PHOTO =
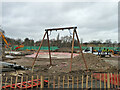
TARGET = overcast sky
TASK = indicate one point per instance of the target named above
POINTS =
(27, 19)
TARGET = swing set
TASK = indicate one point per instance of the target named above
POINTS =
(56, 29)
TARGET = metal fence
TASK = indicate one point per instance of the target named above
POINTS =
(89, 81)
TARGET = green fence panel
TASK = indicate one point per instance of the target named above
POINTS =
(35, 48)
(97, 48)
(55, 47)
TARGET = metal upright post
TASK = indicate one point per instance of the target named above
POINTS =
(81, 51)
(49, 48)
(72, 51)
(38, 52)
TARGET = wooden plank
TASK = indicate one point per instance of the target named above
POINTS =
(60, 28)
(114, 81)
(1, 81)
(95, 83)
(68, 82)
(58, 81)
(32, 81)
(37, 81)
(48, 82)
(111, 80)
(6, 82)
(21, 82)
(42, 82)
(108, 81)
(72, 82)
(82, 81)
(54, 82)
(77, 82)
(26, 81)
(16, 81)
(117, 81)
(91, 81)
(87, 82)
(11, 82)
(100, 81)
(63, 81)
(104, 81)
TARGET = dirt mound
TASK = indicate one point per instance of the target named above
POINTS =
(94, 63)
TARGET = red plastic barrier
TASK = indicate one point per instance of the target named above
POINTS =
(29, 84)
(17, 47)
(112, 77)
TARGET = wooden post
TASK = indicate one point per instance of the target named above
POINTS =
(1, 83)
(87, 82)
(114, 80)
(104, 81)
(108, 81)
(26, 81)
(6, 82)
(117, 81)
(42, 82)
(16, 82)
(21, 82)
(38, 52)
(58, 81)
(48, 82)
(37, 81)
(72, 51)
(81, 51)
(77, 82)
(91, 81)
(72, 82)
(95, 83)
(100, 81)
(68, 82)
(111, 81)
(11, 83)
(63, 81)
(82, 81)
(54, 82)
(49, 48)
(32, 81)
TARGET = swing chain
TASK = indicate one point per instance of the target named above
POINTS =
(70, 32)
(50, 33)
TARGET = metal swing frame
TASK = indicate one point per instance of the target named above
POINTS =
(56, 29)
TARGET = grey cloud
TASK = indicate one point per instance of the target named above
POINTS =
(30, 19)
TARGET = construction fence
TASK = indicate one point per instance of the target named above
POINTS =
(55, 47)
(89, 81)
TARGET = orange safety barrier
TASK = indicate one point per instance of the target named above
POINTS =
(113, 78)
